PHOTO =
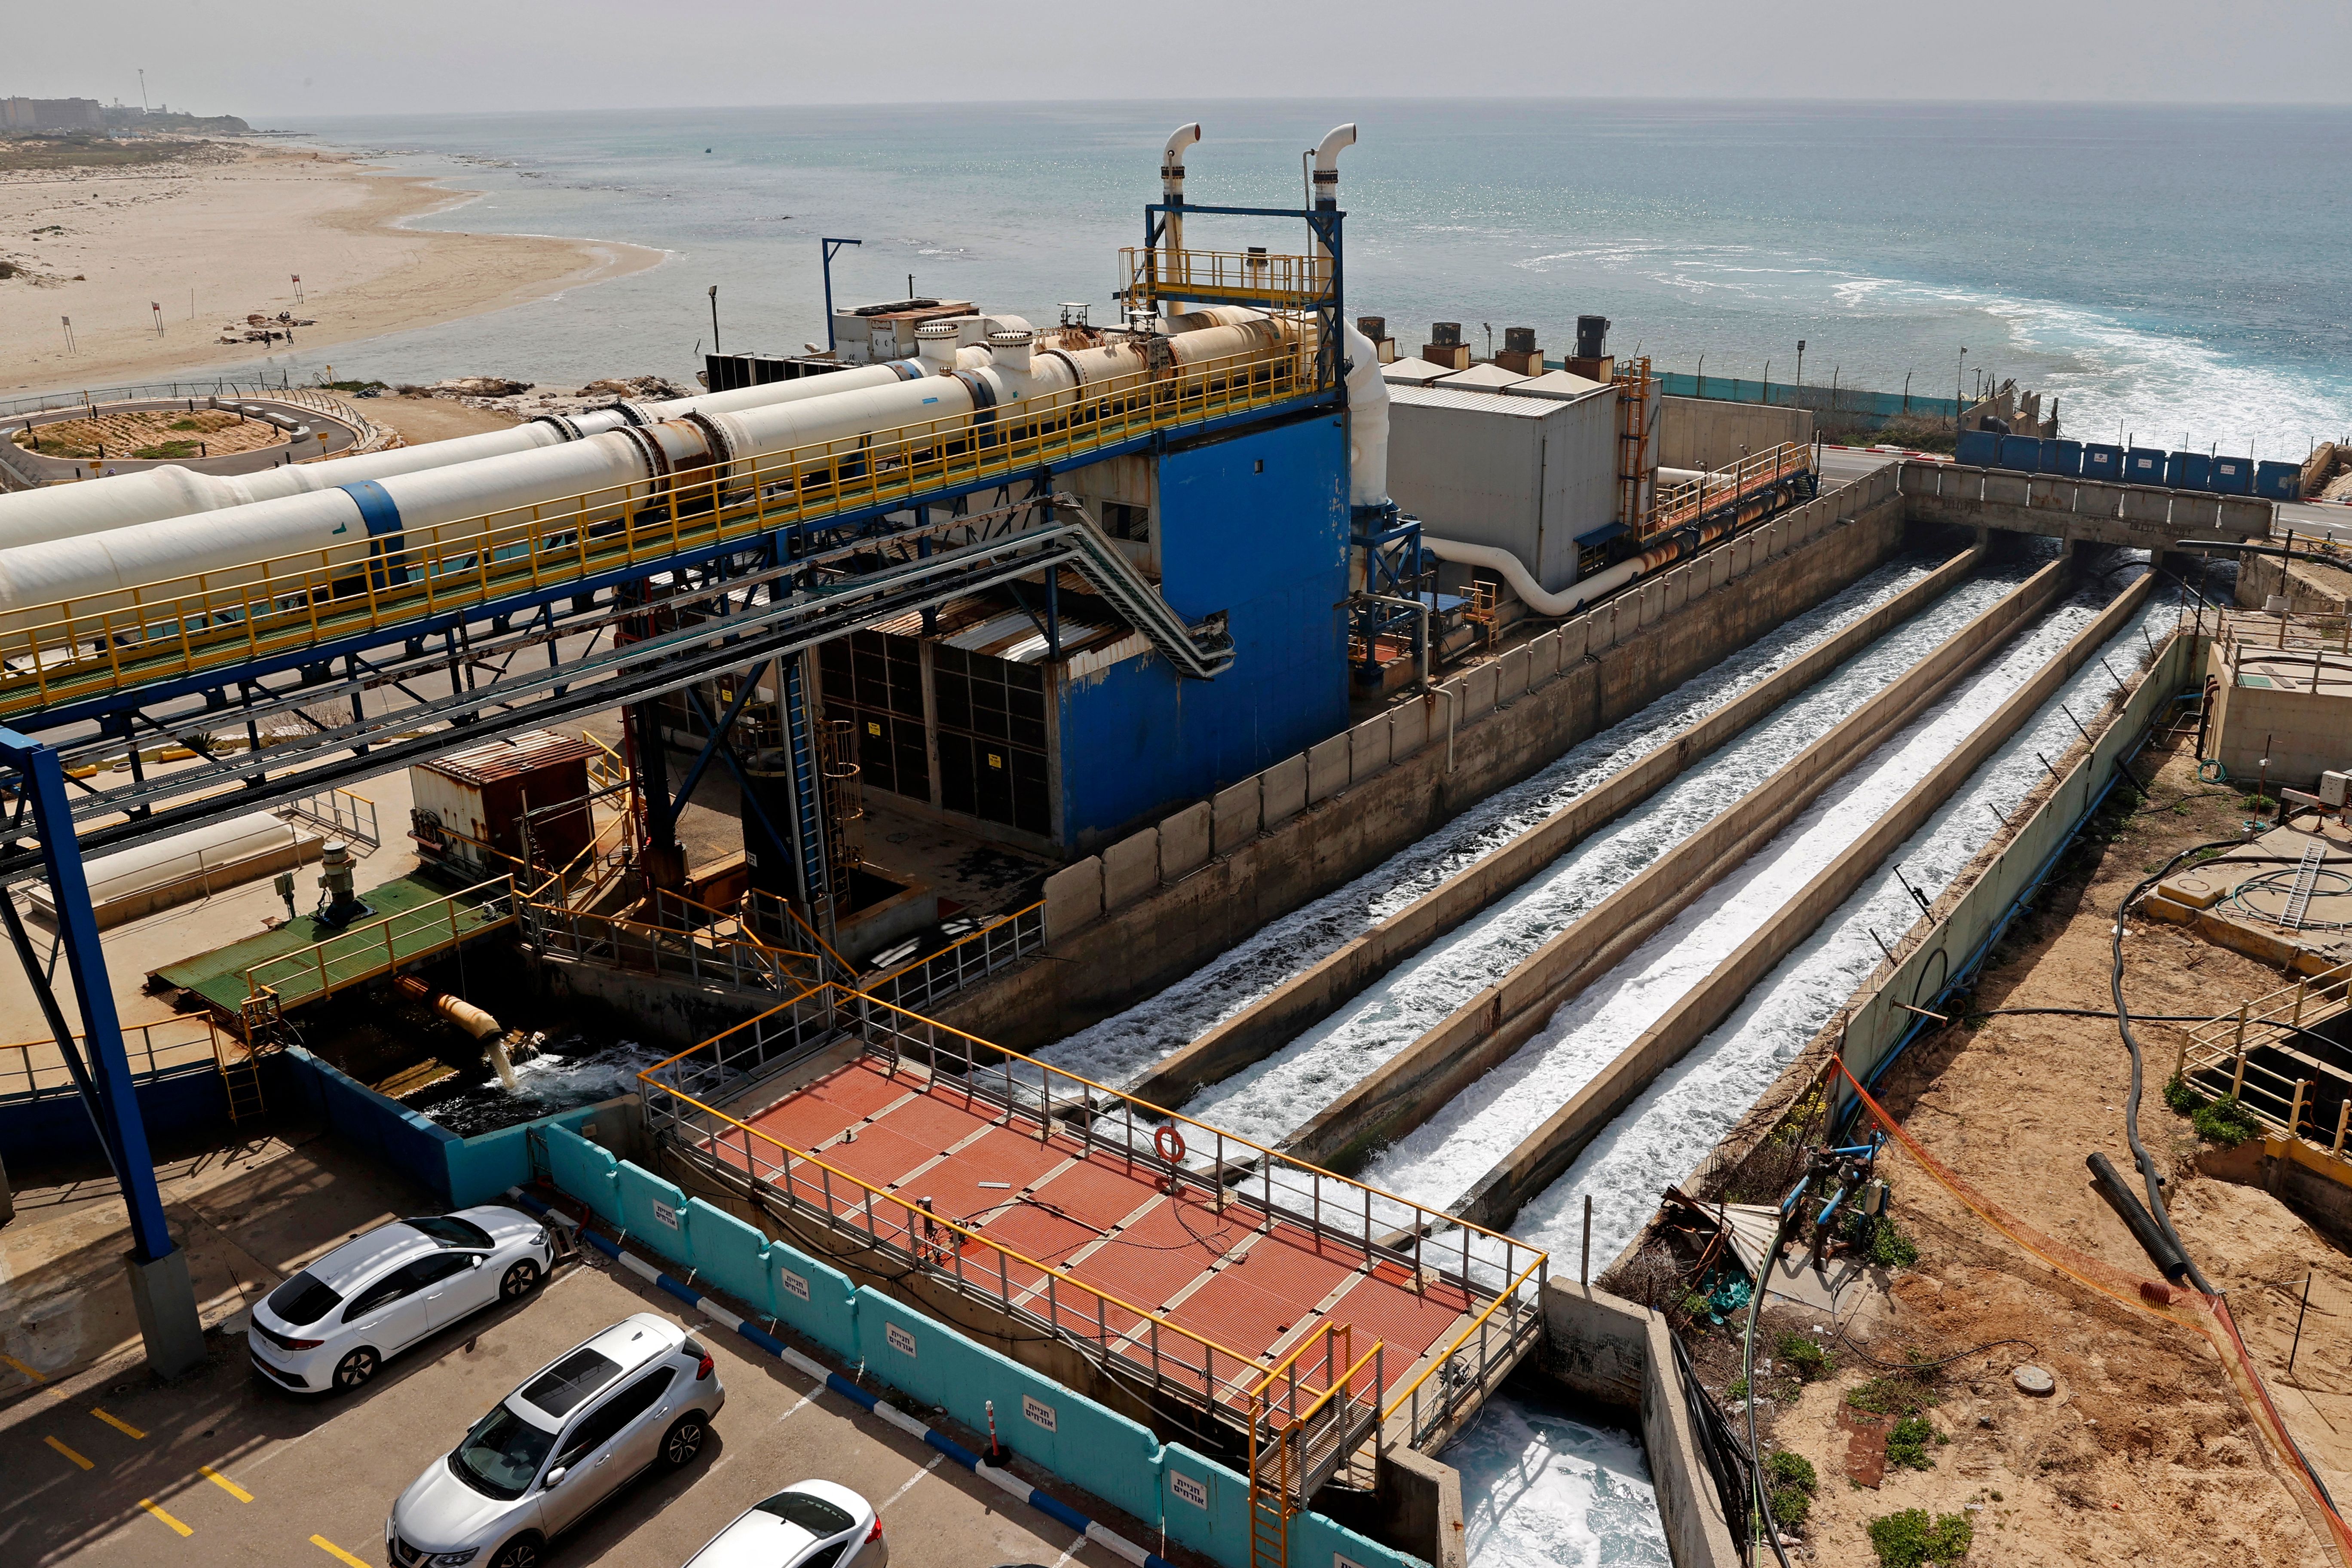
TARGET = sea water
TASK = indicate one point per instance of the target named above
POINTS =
(2165, 273)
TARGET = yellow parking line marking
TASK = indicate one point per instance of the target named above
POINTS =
(68, 1453)
(332, 1549)
(20, 1366)
(225, 1484)
(116, 1421)
(148, 1503)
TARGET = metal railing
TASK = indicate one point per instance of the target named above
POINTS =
(32, 1070)
(1511, 1323)
(1293, 1450)
(342, 814)
(381, 947)
(2221, 1055)
(1695, 499)
(211, 620)
(41, 403)
(1211, 276)
(998, 946)
(1226, 1171)
(677, 938)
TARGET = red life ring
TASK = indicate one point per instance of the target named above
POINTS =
(1170, 1143)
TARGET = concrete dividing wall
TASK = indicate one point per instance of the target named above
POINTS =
(2137, 516)
(1539, 1159)
(1266, 1025)
(1609, 663)
(2311, 589)
(1942, 943)
(1487, 1027)
(1703, 433)
(1606, 1349)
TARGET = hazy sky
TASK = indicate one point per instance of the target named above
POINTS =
(476, 55)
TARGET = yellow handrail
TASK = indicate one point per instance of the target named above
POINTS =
(974, 936)
(915, 1212)
(1509, 1292)
(233, 614)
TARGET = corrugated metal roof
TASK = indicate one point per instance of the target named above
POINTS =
(1493, 377)
(1443, 396)
(1560, 384)
(513, 757)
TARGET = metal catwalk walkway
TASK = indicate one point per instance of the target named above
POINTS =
(1114, 1225)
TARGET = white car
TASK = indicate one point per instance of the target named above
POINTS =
(638, 1394)
(809, 1524)
(333, 1325)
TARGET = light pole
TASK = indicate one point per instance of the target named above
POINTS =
(1801, 363)
(1959, 402)
(714, 317)
(1702, 380)
(830, 247)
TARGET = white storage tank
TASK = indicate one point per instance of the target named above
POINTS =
(140, 880)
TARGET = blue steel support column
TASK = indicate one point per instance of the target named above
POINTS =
(160, 1287)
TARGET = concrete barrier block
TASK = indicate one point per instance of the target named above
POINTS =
(1184, 841)
(2008, 490)
(1574, 638)
(2147, 506)
(1074, 898)
(1654, 605)
(1675, 591)
(1235, 814)
(2238, 515)
(1283, 790)
(1326, 768)
(1479, 693)
(1511, 676)
(1543, 659)
(1718, 571)
(2196, 514)
(1409, 728)
(1368, 748)
(1130, 869)
(2051, 494)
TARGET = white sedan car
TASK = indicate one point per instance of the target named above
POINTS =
(639, 1395)
(809, 1524)
(334, 1325)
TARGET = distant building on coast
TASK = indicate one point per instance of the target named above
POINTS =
(52, 114)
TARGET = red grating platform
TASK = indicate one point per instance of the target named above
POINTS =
(1197, 1287)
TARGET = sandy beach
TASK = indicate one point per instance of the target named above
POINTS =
(235, 225)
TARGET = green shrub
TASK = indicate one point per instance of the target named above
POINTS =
(1737, 1392)
(1906, 1445)
(1792, 1470)
(1909, 1539)
(1791, 1507)
(2184, 1097)
(1886, 1246)
(1888, 1396)
(2225, 1123)
(1697, 1306)
(1809, 1360)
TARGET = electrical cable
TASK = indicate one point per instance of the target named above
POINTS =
(2150, 1178)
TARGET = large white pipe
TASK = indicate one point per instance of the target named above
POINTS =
(1368, 423)
(609, 470)
(1172, 192)
(93, 506)
(1512, 571)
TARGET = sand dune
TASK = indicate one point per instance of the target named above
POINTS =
(101, 246)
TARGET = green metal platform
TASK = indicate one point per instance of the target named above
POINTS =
(412, 919)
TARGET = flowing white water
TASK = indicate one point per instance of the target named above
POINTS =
(1541, 1490)
(1124, 1045)
(1665, 1133)
(1274, 1098)
(1439, 1160)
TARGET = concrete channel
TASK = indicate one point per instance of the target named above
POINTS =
(1486, 1029)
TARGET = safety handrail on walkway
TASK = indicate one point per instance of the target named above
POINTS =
(178, 1041)
(658, 947)
(1211, 277)
(1000, 944)
(212, 620)
(1456, 1386)
(1694, 499)
(341, 812)
(364, 951)
(2225, 1047)
(1383, 1225)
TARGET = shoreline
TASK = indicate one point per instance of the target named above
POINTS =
(237, 230)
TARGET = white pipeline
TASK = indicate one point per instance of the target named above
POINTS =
(595, 476)
(1567, 602)
(122, 500)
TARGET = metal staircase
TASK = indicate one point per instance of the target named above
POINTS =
(1201, 652)
(1306, 1417)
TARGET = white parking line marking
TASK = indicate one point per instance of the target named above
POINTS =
(1076, 1546)
(909, 1486)
(808, 1399)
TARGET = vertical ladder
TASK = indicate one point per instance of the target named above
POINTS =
(1269, 1505)
(808, 807)
(2306, 879)
(238, 1061)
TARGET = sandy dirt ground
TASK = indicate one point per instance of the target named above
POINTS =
(2142, 1453)
(423, 419)
(101, 246)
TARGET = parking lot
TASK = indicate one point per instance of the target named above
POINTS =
(104, 1465)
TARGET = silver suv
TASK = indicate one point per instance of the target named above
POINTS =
(638, 1394)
